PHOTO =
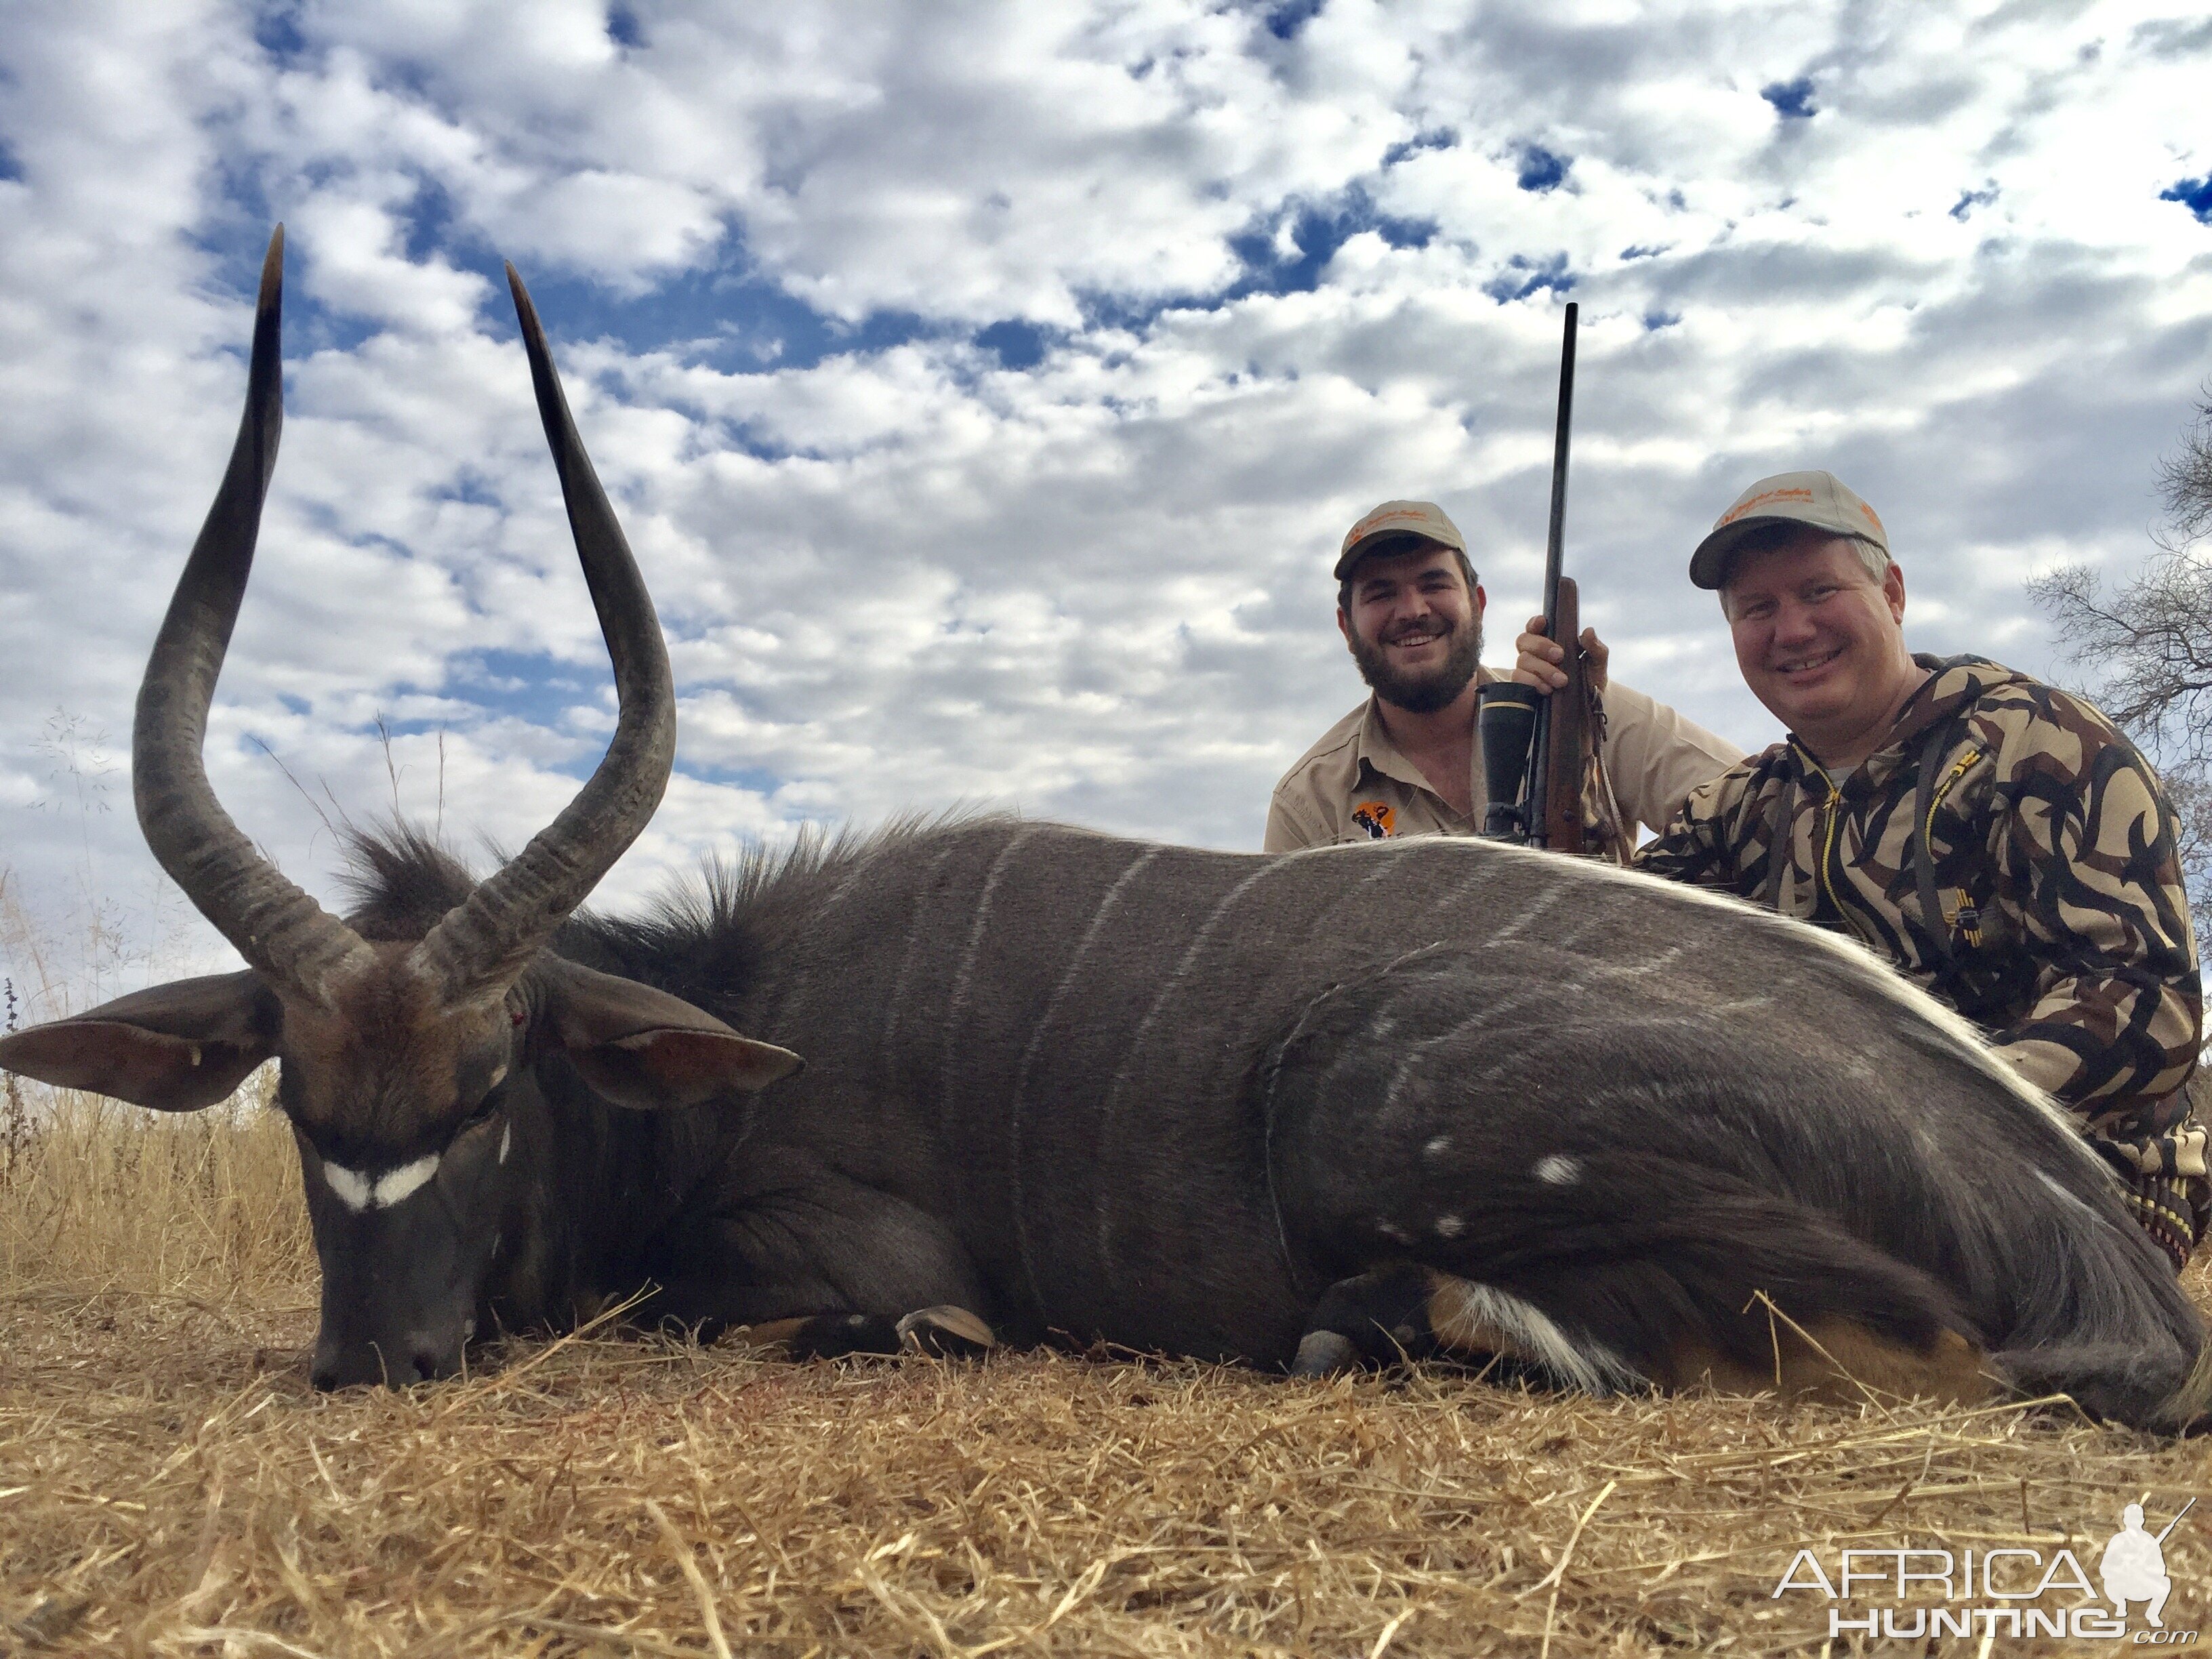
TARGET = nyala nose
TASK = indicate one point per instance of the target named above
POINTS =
(397, 1365)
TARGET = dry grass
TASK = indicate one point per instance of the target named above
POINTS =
(102, 1197)
(170, 1485)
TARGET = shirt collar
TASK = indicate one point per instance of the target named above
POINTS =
(1377, 753)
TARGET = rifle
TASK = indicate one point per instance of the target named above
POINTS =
(1535, 748)
(2176, 1521)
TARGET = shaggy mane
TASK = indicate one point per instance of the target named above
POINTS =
(700, 938)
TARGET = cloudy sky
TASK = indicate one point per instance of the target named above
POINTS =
(985, 388)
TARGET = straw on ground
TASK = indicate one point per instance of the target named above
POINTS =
(169, 1484)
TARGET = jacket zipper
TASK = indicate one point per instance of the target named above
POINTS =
(1965, 920)
(1959, 769)
(1829, 819)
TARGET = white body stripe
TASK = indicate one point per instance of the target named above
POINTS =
(950, 1083)
(1862, 964)
(1075, 964)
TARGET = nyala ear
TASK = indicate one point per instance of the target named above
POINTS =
(177, 1047)
(647, 1050)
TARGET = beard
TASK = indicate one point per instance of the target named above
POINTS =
(1430, 690)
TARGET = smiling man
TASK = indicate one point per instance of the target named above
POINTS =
(1995, 838)
(1407, 761)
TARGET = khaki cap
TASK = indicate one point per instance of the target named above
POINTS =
(1424, 520)
(1818, 499)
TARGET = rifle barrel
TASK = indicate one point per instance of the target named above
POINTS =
(2176, 1521)
(1555, 543)
(1554, 551)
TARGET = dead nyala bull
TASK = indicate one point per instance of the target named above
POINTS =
(1317, 1110)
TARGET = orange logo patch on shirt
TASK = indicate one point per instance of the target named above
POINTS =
(1377, 818)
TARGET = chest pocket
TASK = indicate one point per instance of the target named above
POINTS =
(1951, 917)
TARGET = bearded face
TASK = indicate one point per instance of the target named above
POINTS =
(1413, 627)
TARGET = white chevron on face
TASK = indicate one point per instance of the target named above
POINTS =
(359, 1192)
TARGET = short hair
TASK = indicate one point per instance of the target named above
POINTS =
(1411, 542)
(1780, 532)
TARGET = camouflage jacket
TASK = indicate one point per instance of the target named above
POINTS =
(2010, 850)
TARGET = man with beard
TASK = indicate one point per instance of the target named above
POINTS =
(1408, 761)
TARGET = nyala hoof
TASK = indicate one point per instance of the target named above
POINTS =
(1326, 1353)
(945, 1332)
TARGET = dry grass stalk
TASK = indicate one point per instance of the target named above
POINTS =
(169, 1484)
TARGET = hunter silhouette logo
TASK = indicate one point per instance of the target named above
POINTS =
(2133, 1567)
(2004, 1590)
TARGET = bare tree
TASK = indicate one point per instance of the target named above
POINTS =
(2149, 643)
(2185, 479)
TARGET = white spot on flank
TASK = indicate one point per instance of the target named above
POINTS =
(1437, 1148)
(1393, 1233)
(359, 1192)
(506, 1139)
(1558, 1171)
(1450, 1226)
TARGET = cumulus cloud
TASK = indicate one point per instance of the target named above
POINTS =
(985, 389)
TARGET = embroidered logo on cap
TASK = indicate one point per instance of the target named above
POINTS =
(1761, 500)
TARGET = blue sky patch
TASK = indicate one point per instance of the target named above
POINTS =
(1970, 199)
(430, 220)
(623, 28)
(532, 686)
(1523, 276)
(236, 241)
(1285, 19)
(1317, 233)
(1434, 138)
(276, 31)
(2194, 194)
(734, 321)
(1017, 343)
(1792, 100)
(758, 778)
(1541, 170)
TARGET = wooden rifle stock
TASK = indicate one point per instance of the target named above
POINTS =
(1566, 736)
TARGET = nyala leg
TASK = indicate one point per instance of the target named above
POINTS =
(945, 1331)
(1379, 1318)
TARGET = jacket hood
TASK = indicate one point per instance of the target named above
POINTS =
(1953, 683)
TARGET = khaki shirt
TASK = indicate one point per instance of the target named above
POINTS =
(1356, 785)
